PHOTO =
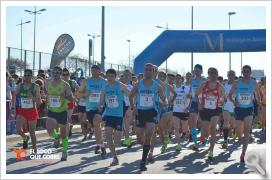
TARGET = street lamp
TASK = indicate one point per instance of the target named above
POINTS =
(128, 53)
(165, 28)
(21, 24)
(93, 39)
(34, 13)
(230, 13)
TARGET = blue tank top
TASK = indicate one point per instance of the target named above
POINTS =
(146, 96)
(114, 98)
(245, 94)
(94, 87)
(195, 85)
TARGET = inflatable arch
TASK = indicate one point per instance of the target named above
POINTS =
(212, 41)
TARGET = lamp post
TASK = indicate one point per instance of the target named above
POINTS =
(128, 53)
(230, 14)
(93, 40)
(192, 27)
(21, 24)
(165, 28)
(35, 12)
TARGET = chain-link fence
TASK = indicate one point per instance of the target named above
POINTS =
(17, 60)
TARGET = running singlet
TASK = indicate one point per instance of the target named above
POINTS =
(126, 99)
(146, 96)
(228, 106)
(210, 97)
(25, 102)
(245, 94)
(56, 101)
(94, 87)
(195, 85)
(83, 100)
(114, 98)
(181, 102)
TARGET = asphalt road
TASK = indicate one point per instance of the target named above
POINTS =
(82, 160)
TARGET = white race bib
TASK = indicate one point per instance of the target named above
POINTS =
(112, 101)
(180, 101)
(244, 98)
(126, 100)
(146, 100)
(210, 102)
(54, 101)
(94, 97)
(27, 103)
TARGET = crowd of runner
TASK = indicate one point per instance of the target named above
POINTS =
(153, 104)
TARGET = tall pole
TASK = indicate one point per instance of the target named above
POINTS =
(21, 39)
(102, 40)
(192, 27)
(128, 53)
(93, 48)
(230, 13)
(35, 12)
(241, 62)
(34, 49)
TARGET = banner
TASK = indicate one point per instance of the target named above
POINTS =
(63, 46)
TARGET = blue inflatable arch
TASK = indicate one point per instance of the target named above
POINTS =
(212, 41)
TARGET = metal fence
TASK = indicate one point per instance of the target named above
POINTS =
(17, 60)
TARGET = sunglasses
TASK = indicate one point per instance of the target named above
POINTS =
(27, 75)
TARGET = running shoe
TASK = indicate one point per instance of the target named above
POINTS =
(97, 150)
(115, 162)
(64, 156)
(225, 145)
(210, 155)
(178, 147)
(25, 142)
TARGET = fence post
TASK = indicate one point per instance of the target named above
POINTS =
(25, 58)
(40, 60)
(8, 58)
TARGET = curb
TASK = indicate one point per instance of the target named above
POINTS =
(39, 134)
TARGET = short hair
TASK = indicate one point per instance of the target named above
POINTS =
(178, 75)
(220, 78)
(15, 76)
(127, 71)
(41, 71)
(66, 70)
(111, 71)
(28, 70)
(58, 67)
(247, 67)
(170, 74)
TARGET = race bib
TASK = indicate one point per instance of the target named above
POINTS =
(54, 101)
(126, 100)
(112, 101)
(146, 100)
(27, 103)
(94, 97)
(194, 89)
(82, 102)
(210, 102)
(244, 98)
(179, 102)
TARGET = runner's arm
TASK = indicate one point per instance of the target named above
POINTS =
(101, 101)
(232, 90)
(162, 94)
(171, 89)
(124, 89)
(131, 96)
(80, 92)
(68, 93)
(37, 97)
(257, 92)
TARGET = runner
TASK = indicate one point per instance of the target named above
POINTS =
(180, 110)
(197, 81)
(71, 104)
(263, 104)
(228, 112)
(145, 92)
(83, 116)
(244, 89)
(113, 96)
(58, 93)
(27, 113)
(165, 113)
(93, 87)
(127, 112)
(209, 109)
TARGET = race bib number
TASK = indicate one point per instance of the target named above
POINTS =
(126, 100)
(27, 103)
(146, 100)
(112, 101)
(54, 101)
(180, 102)
(210, 102)
(94, 97)
(244, 98)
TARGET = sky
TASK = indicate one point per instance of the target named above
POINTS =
(138, 24)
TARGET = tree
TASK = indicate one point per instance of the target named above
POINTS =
(15, 65)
